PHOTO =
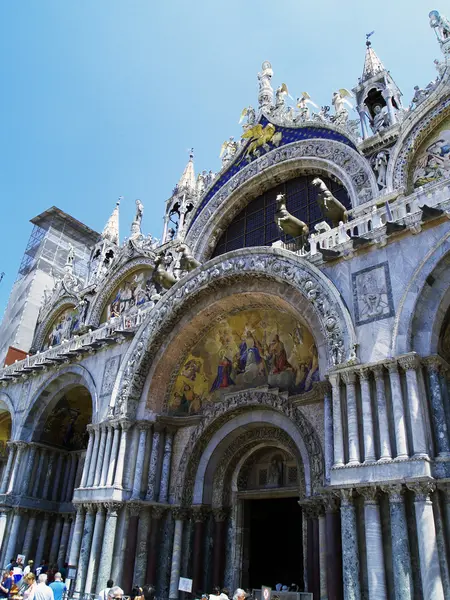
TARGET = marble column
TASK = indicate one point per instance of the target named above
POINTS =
(29, 534)
(410, 365)
(57, 477)
(94, 456)
(42, 538)
(113, 456)
(441, 437)
(445, 488)
(38, 474)
(13, 534)
(383, 422)
(220, 519)
(101, 455)
(398, 410)
(374, 545)
(56, 537)
(95, 553)
(349, 378)
(153, 551)
(118, 479)
(29, 470)
(179, 515)
(133, 508)
(139, 469)
(3, 521)
(107, 455)
(87, 460)
(77, 536)
(323, 555)
(8, 468)
(350, 552)
(69, 545)
(62, 551)
(104, 572)
(199, 515)
(401, 554)
(367, 416)
(328, 430)
(74, 457)
(48, 474)
(65, 479)
(21, 446)
(338, 439)
(430, 570)
(85, 550)
(154, 461)
(165, 469)
(142, 548)
(310, 512)
(333, 548)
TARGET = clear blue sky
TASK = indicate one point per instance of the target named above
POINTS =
(103, 98)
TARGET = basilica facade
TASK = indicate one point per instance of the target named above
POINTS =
(261, 396)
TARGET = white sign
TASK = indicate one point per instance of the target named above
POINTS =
(185, 585)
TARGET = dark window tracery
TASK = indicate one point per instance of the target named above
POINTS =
(255, 224)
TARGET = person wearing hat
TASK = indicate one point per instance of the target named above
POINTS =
(29, 568)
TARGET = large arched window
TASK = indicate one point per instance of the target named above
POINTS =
(255, 224)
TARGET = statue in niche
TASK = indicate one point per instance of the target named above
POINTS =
(441, 26)
(381, 118)
(380, 168)
(275, 472)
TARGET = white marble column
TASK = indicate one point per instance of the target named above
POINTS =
(118, 479)
(21, 446)
(374, 545)
(383, 422)
(350, 551)
(85, 550)
(87, 460)
(42, 537)
(57, 476)
(101, 454)
(8, 468)
(323, 555)
(38, 475)
(338, 439)
(430, 570)
(62, 550)
(13, 533)
(179, 516)
(398, 410)
(166, 463)
(96, 549)
(113, 456)
(56, 538)
(75, 543)
(94, 456)
(104, 571)
(410, 364)
(441, 436)
(140, 458)
(154, 463)
(367, 416)
(3, 521)
(29, 470)
(349, 378)
(29, 534)
(107, 455)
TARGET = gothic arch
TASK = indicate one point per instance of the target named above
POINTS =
(50, 392)
(422, 307)
(44, 326)
(278, 265)
(327, 157)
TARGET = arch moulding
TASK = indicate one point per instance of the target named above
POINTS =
(44, 326)
(240, 265)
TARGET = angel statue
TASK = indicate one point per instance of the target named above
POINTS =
(250, 113)
(280, 96)
(303, 109)
(228, 150)
(441, 26)
(136, 224)
(323, 114)
(339, 100)
(260, 137)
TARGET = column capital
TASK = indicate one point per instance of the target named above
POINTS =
(331, 502)
(432, 363)
(199, 513)
(370, 494)
(421, 489)
(115, 425)
(143, 425)
(364, 373)
(179, 513)
(79, 508)
(91, 427)
(349, 377)
(334, 379)
(392, 366)
(347, 497)
(394, 491)
(409, 362)
(112, 508)
(125, 424)
(158, 427)
(134, 508)
(21, 445)
(157, 512)
(220, 514)
(90, 508)
(378, 371)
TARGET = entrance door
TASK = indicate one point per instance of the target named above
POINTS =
(273, 548)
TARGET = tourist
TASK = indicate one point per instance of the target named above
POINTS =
(103, 595)
(58, 587)
(115, 593)
(29, 568)
(42, 569)
(136, 593)
(239, 594)
(29, 586)
(6, 584)
(215, 593)
(43, 591)
(63, 571)
(149, 592)
(225, 594)
(12, 563)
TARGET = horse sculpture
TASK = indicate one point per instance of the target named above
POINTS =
(289, 224)
(330, 206)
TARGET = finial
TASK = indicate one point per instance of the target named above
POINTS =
(191, 154)
(369, 35)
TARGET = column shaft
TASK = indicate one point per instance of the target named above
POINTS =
(27, 474)
(3, 522)
(153, 468)
(383, 423)
(106, 458)
(87, 460)
(374, 546)
(8, 468)
(398, 412)
(328, 429)
(62, 551)
(94, 456)
(57, 477)
(137, 483)
(142, 548)
(29, 534)
(48, 474)
(338, 439)
(65, 480)
(96, 548)
(334, 551)
(152, 555)
(41, 540)
(101, 456)
(350, 552)
(369, 446)
(13, 535)
(437, 410)
(85, 550)
(131, 545)
(415, 410)
(38, 475)
(118, 479)
(56, 538)
(75, 543)
(104, 572)
(165, 470)
(17, 463)
(113, 457)
(219, 547)
(352, 418)
(176, 559)
(74, 464)
(323, 558)
(198, 551)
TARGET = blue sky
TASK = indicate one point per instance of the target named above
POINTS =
(103, 98)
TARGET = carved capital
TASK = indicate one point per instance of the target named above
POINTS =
(334, 379)
(370, 494)
(115, 425)
(432, 363)
(80, 509)
(90, 508)
(220, 514)
(378, 372)
(112, 508)
(349, 377)
(158, 512)
(125, 424)
(179, 513)
(21, 446)
(347, 497)
(331, 502)
(199, 514)
(364, 373)
(395, 492)
(409, 362)
(392, 367)
(134, 508)
(421, 489)
(143, 425)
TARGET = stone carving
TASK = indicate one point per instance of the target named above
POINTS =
(265, 95)
(303, 108)
(380, 119)
(331, 208)
(187, 261)
(228, 151)
(339, 100)
(289, 224)
(250, 114)
(162, 275)
(136, 232)
(441, 26)
(380, 167)
(372, 294)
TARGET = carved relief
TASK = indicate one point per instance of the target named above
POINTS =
(372, 294)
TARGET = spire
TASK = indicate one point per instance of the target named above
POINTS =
(187, 180)
(111, 230)
(372, 64)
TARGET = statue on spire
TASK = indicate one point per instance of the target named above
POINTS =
(265, 96)
(441, 26)
(136, 232)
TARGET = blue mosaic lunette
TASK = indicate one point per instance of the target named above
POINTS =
(289, 135)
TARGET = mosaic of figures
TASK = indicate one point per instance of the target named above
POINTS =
(246, 350)
(63, 326)
(66, 425)
(433, 161)
(135, 290)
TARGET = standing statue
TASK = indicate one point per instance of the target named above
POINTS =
(440, 68)
(228, 150)
(70, 256)
(441, 26)
(330, 206)
(289, 224)
(339, 100)
(380, 120)
(265, 95)
(250, 113)
(280, 97)
(303, 109)
(136, 224)
(380, 167)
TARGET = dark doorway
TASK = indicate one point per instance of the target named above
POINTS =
(274, 549)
